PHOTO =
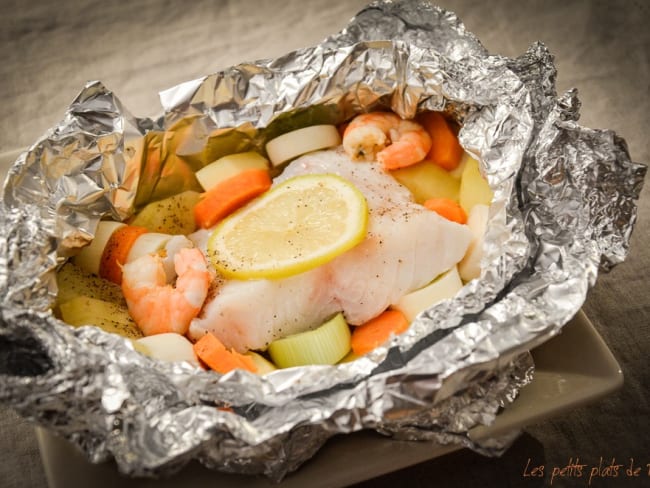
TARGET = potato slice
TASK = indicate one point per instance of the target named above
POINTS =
(474, 188)
(224, 168)
(73, 282)
(110, 317)
(427, 180)
(171, 215)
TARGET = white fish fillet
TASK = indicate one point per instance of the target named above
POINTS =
(407, 246)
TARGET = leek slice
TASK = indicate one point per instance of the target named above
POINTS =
(327, 344)
(263, 365)
(444, 286)
(302, 141)
(90, 256)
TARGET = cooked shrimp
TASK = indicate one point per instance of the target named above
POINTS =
(392, 141)
(157, 307)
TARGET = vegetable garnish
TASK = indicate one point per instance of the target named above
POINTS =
(230, 194)
(376, 331)
(301, 141)
(445, 150)
(228, 166)
(117, 250)
(212, 352)
(428, 180)
(90, 256)
(327, 344)
(300, 224)
(444, 286)
(84, 310)
(447, 208)
(171, 215)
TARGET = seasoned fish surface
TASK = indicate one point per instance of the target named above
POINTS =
(406, 247)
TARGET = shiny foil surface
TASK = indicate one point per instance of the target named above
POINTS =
(563, 210)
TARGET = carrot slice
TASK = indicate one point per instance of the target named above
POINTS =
(447, 208)
(445, 150)
(117, 250)
(212, 352)
(376, 331)
(229, 195)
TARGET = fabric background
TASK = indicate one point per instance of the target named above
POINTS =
(48, 50)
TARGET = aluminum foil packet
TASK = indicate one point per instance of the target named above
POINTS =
(563, 210)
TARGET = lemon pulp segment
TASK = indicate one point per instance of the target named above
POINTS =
(298, 225)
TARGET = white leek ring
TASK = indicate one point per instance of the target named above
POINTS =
(470, 266)
(444, 286)
(302, 141)
(327, 344)
(90, 256)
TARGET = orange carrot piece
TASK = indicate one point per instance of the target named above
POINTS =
(447, 208)
(212, 352)
(376, 331)
(229, 195)
(117, 250)
(445, 150)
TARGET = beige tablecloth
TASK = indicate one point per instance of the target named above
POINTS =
(137, 48)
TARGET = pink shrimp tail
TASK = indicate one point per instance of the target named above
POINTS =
(412, 147)
(157, 307)
(392, 141)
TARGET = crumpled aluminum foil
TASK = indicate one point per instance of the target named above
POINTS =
(564, 208)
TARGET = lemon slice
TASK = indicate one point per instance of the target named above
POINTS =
(296, 226)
